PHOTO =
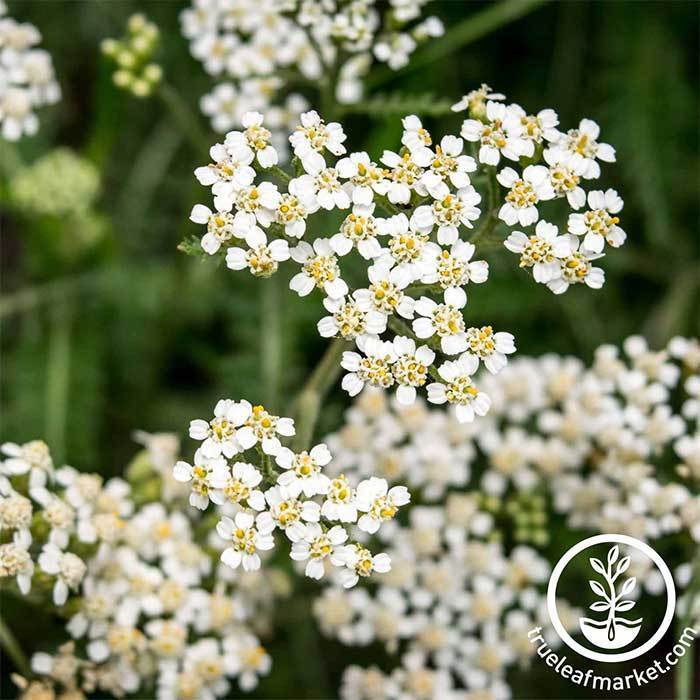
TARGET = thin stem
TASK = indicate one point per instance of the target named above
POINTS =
(491, 220)
(684, 673)
(187, 120)
(271, 340)
(468, 30)
(281, 174)
(58, 376)
(308, 405)
(10, 644)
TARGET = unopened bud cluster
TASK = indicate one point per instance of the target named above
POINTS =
(133, 54)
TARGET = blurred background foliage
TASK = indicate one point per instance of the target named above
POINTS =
(108, 328)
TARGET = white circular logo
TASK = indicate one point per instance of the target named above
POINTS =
(613, 624)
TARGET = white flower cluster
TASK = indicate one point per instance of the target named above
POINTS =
(264, 50)
(570, 158)
(404, 218)
(27, 79)
(298, 499)
(611, 448)
(149, 611)
(456, 608)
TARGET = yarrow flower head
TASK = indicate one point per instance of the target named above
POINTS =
(413, 220)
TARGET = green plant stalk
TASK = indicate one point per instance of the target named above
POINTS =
(271, 340)
(186, 119)
(308, 404)
(10, 644)
(684, 672)
(468, 30)
(58, 376)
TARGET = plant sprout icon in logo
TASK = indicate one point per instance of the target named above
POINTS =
(615, 631)
(614, 635)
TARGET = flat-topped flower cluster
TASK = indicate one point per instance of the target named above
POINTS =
(406, 220)
(134, 572)
(27, 79)
(293, 496)
(265, 51)
(613, 447)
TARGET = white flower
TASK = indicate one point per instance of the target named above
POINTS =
(340, 501)
(261, 258)
(230, 170)
(448, 213)
(459, 389)
(260, 200)
(500, 134)
(599, 223)
(407, 246)
(524, 194)
(304, 470)
(349, 321)
(541, 252)
(378, 502)
(246, 659)
(577, 269)
(359, 561)
(32, 457)
(220, 434)
(319, 269)
(365, 177)
(295, 206)
(246, 536)
(255, 137)
(565, 172)
(490, 347)
(415, 136)
(475, 98)
(406, 173)
(223, 105)
(16, 561)
(444, 320)
(584, 142)
(221, 225)
(207, 474)
(536, 128)
(314, 136)
(68, 569)
(287, 511)
(314, 546)
(374, 368)
(448, 165)
(263, 427)
(385, 292)
(359, 229)
(326, 188)
(239, 487)
(455, 268)
(410, 368)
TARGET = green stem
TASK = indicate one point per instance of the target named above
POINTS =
(187, 120)
(271, 340)
(308, 405)
(684, 672)
(10, 644)
(281, 174)
(58, 377)
(491, 220)
(468, 30)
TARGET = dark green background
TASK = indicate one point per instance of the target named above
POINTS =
(132, 334)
